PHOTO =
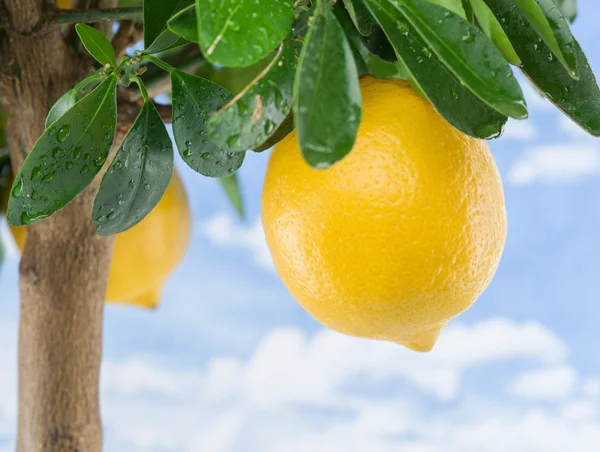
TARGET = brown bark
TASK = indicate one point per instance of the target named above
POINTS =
(65, 264)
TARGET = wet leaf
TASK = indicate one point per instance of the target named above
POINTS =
(450, 98)
(231, 187)
(256, 112)
(358, 12)
(65, 102)
(195, 100)
(282, 131)
(66, 157)
(548, 21)
(137, 177)
(185, 24)
(455, 6)
(366, 61)
(463, 49)
(492, 28)
(156, 15)
(580, 100)
(327, 104)
(96, 44)
(568, 8)
(242, 32)
(167, 40)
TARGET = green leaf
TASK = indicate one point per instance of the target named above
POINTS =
(360, 16)
(61, 106)
(66, 157)
(493, 30)
(286, 127)
(167, 40)
(327, 104)
(195, 100)
(455, 6)
(96, 44)
(547, 19)
(568, 8)
(366, 61)
(462, 47)
(242, 32)
(156, 15)
(185, 23)
(580, 100)
(231, 187)
(255, 113)
(470, 16)
(450, 98)
(138, 176)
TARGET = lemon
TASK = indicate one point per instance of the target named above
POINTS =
(400, 236)
(146, 254)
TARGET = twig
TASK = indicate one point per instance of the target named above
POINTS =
(72, 16)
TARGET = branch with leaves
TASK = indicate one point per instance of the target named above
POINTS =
(267, 70)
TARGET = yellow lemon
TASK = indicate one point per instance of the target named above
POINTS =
(146, 254)
(400, 236)
(63, 4)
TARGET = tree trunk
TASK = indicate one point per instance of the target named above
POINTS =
(65, 265)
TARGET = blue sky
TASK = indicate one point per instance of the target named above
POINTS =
(230, 363)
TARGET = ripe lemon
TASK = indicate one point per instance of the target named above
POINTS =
(400, 236)
(146, 254)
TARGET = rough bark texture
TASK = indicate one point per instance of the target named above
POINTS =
(65, 265)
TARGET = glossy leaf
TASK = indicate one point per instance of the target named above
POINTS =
(66, 157)
(366, 61)
(231, 187)
(185, 24)
(580, 100)
(492, 28)
(468, 11)
(286, 127)
(96, 44)
(327, 105)
(255, 113)
(65, 102)
(195, 100)
(546, 18)
(463, 48)
(450, 98)
(568, 8)
(358, 12)
(156, 15)
(167, 40)
(455, 6)
(242, 32)
(137, 177)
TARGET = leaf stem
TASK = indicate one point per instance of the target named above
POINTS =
(72, 16)
(140, 84)
(158, 62)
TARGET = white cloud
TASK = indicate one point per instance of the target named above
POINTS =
(552, 383)
(564, 163)
(10, 248)
(519, 130)
(328, 392)
(298, 392)
(222, 230)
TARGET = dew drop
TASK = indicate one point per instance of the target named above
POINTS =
(17, 191)
(69, 165)
(63, 133)
(48, 177)
(234, 140)
(36, 171)
(84, 169)
(205, 156)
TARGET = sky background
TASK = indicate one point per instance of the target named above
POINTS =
(230, 363)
